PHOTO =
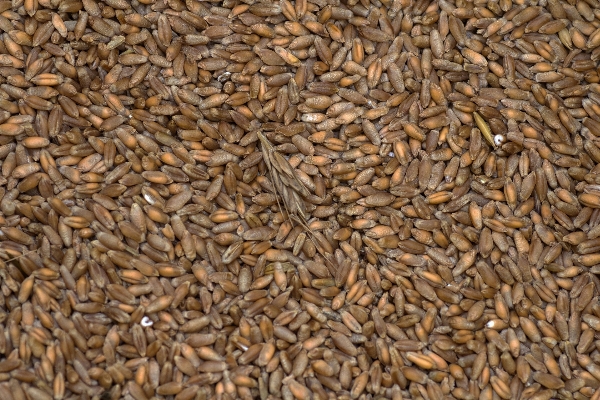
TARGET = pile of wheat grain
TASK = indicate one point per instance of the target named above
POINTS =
(311, 199)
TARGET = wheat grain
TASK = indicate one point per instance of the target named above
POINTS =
(218, 200)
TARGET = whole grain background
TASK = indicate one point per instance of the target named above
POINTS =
(312, 199)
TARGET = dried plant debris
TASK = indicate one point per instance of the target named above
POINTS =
(285, 180)
(304, 199)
